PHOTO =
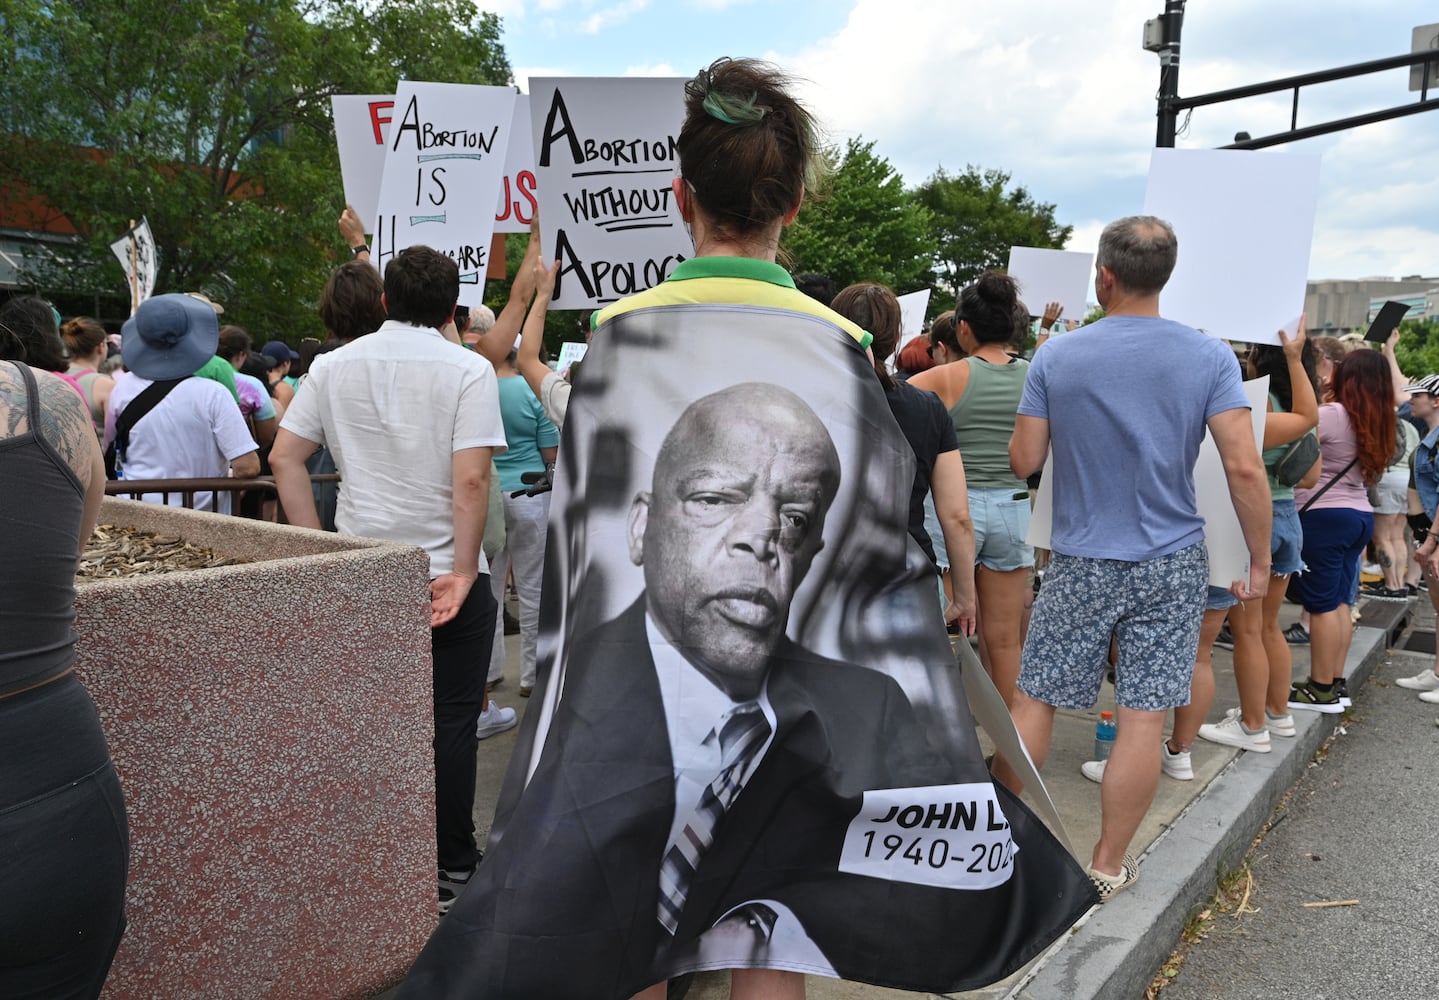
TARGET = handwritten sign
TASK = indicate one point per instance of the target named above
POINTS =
(570, 352)
(362, 126)
(605, 158)
(518, 202)
(444, 160)
(1045, 276)
(139, 257)
(1244, 221)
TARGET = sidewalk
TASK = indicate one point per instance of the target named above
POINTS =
(1194, 830)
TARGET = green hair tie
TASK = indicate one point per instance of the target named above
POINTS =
(733, 111)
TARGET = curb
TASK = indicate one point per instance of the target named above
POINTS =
(1117, 949)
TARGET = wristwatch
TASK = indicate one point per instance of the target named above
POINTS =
(362, 248)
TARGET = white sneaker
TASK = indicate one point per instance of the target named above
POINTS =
(1280, 725)
(1176, 765)
(1230, 732)
(1424, 680)
(495, 719)
(1432, 697)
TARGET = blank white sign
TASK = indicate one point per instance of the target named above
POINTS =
(1045, 276)
(1244, 221)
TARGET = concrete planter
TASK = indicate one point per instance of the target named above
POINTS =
(271, 725)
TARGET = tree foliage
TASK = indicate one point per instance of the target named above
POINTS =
(977, 217)
(864, 227)
(212, 119)
(1418, 347)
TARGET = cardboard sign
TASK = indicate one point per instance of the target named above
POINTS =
(912, 307)
(1045, 276)
(605, 158)
(1386, 322)
(140, 259)
(444, 160)
(1244, 221)
(362, 125)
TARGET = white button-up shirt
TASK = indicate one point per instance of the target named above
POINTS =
(393, 407)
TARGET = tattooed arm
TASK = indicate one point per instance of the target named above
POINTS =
(65, 423)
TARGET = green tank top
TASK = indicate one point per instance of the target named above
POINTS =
(984, 422)
(1277, 491)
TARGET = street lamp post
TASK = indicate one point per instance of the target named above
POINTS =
(1161, 36)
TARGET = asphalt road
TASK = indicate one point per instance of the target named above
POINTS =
(1360, 825)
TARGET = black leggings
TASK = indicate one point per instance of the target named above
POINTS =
(64, 846)
(461, 650)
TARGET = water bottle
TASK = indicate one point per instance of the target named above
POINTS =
(1104, 732)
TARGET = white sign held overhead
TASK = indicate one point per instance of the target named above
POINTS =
(571, 351)
(1045, 276)
(518, 202)
(444, 161)
(362, 124)
(912, 306)
(605, 158)
(1244, 221)
(140, 259)
(1223, 538)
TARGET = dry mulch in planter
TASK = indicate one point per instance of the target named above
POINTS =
(118, 551)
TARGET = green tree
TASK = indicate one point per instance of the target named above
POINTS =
(1418, 347)
(212, 119)
(977, 216)
(864, 227)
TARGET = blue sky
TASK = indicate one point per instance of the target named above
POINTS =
(1059, 93)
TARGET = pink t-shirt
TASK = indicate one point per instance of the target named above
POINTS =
(1337, 446)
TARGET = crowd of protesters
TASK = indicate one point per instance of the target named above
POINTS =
(1349, 459)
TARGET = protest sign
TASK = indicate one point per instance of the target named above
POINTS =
(1223, 539)
(1045, 276)
(1244, 221)
(1390, 315)
(140, 259)
(791, 781)
(605, 158)
(518, 202)
(362, 124)
(570, 352)
(912, 306)
(444, 160)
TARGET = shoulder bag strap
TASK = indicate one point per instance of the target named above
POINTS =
(1325, 488)
(142, 404)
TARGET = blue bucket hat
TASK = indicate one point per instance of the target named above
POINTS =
(170, 336)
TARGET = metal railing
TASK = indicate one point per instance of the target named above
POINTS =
(186, 490)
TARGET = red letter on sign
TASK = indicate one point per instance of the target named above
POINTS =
(376, 121)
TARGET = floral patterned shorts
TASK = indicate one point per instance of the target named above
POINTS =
(1152, 608)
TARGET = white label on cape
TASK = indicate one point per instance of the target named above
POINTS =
(947, 836)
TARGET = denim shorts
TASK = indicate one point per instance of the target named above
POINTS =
(1287, 540)
(1219, 599)
(1152, 608)
(1001, 521)
(1393, 492)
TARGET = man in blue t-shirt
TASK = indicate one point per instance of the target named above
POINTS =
(1124, 404)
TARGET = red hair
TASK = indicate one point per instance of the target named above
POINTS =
(1363, 385)
(914, 357)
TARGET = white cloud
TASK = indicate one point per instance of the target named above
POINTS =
(1062, 96)
(610, 16)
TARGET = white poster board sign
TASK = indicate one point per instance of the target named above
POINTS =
(570, 352)
(1245, 221)
(140, 259)
(605, 156)
(362, 124)
(444, 161)
(518, 202)
(1228, 555)
(1045, 276)
(912, 306)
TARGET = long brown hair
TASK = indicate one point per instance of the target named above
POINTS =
(1363, 385)
(875, 309)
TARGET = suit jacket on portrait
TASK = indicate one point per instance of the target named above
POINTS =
(572, 889)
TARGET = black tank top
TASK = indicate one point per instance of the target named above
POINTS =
(42, 504)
